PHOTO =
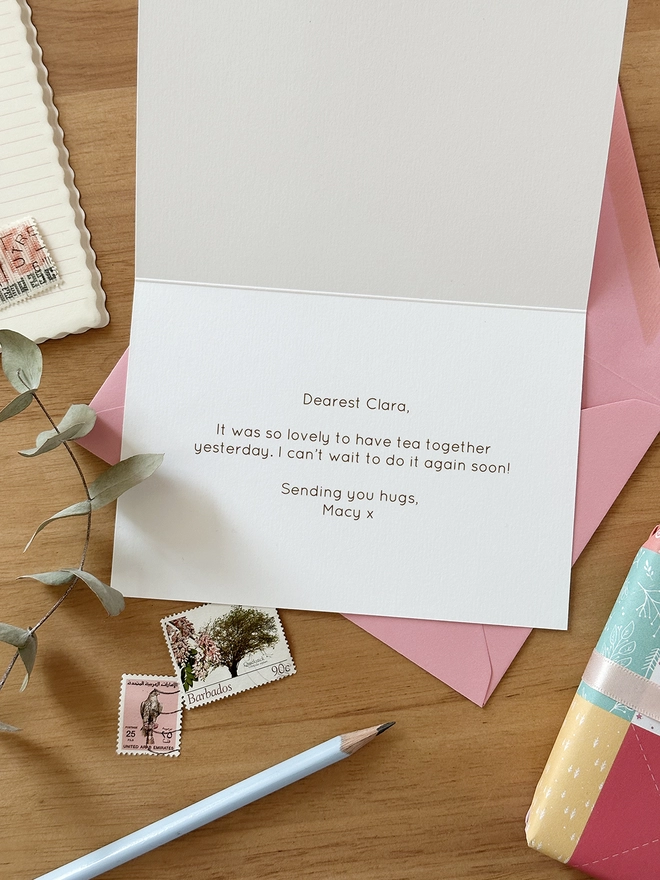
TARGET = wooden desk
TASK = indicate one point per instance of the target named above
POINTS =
(444, 794)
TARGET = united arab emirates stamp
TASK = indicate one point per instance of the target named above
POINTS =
(222, 650)
(26, 267)
(149, 715)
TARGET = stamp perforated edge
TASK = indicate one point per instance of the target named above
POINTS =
(253, 685)
(176, 747)
(48, 262)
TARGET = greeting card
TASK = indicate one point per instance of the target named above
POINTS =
(364, 243)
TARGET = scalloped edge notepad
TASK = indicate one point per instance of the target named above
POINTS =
(36, 181)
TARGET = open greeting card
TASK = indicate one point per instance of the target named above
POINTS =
(364, 242)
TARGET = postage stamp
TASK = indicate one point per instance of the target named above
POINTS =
(26, 267)
(149, 715)
(222, 650)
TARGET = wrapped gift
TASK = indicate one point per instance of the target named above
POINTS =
(597, 804)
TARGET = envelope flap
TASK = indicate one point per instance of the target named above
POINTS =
(104, 439)
(464, 662)
(113, 391)
(609, 447)
(623, 319)
(503, 643)
(601, 386)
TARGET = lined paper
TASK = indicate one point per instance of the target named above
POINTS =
(36, 181)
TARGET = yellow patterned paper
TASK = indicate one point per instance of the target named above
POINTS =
(576, 771)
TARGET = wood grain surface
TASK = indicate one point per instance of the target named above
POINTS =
(445, 792)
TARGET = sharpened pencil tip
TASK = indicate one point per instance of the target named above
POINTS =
(383, 727)
(351, 742)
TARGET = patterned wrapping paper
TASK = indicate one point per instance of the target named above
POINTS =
(597, 804)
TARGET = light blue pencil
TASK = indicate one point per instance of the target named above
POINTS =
(215, 806)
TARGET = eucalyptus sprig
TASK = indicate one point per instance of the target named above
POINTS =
(22, 365)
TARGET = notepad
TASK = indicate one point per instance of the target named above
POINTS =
(39, 199)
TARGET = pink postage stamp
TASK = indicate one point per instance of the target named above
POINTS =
(26, 267)
(149, 715)
(222, 650)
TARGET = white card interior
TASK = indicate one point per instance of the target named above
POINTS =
(390, 201)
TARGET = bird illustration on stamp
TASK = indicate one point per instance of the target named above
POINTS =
(150, 710)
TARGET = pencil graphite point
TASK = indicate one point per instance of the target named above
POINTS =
(383, 727)
(351, 742)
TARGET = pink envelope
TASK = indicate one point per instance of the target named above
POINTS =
(620, 419)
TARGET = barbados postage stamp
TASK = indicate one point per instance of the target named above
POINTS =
(26, 267)
(149, 715)
(222, 650)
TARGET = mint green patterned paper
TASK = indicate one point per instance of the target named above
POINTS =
(604, 702)
(631, 635)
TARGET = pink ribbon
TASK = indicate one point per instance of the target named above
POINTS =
(623, 685)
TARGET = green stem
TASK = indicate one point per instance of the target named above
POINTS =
(8, 670)
(57, 604)
(85, 487)
(65, 444)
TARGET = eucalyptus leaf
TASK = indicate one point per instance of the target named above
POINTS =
(14, 635)
(17, 405)
(80, 414)
(51, 578)
(28, 655)
(80, 508)
(8, 728)
(21, 360)
(111, 599)
(108, 487)
(78, 421)
(52, 443)
(121, 477)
